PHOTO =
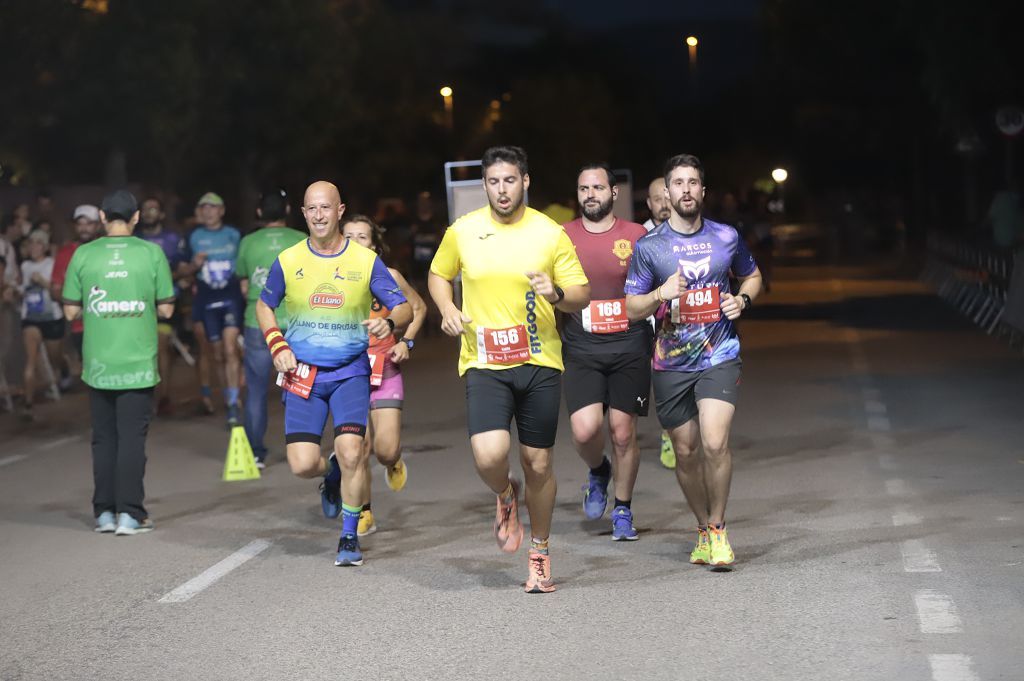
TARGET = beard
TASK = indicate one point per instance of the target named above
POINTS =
(691, 212)
(597, 212)
(514, 204)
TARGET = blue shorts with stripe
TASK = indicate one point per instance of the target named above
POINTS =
(347, 400)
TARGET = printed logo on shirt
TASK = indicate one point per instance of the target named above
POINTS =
(259, 277)
(531, 322)
(622, 249)
(326, 295)
(299, 274)
(696, 270)
(116, 274)
(337, 275)
(101, 307)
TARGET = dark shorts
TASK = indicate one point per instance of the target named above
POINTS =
(51, 330)
(621, 381)
(78, 339)
(347, 400)
(216, 315)
(676, 392)
(529, 393)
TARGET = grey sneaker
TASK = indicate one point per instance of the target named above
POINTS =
(127, 525)
(106, 522)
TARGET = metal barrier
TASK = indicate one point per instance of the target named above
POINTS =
(976, 280)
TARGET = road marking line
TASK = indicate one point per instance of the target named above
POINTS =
(882, 440)
(952, 667)
(936, 613)
(212, 574)
(58, 442)
(879, 423)
(874, 407)
(887, 462)
(871, 394)
(918, 558)
(896, 487)
(903, 518)
(12, 459)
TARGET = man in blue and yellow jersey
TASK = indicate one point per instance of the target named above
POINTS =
(327, 284)
(517, 266)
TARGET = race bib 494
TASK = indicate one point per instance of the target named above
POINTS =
(697, 306)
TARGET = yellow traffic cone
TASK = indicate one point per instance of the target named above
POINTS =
(240, 464)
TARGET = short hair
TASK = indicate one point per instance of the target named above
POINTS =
(506, 154)
(684, 161)
(153, 198)
(274, 205)
(599, 166)
(376, 233)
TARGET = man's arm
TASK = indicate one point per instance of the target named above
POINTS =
(750, 285)
(71, 312)
(443, 293)
(283, 357)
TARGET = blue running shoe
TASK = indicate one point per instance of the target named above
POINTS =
(348, 551)
(622, 525)
(595, 496)
(127, 525)
(330, 489)
(106, 522)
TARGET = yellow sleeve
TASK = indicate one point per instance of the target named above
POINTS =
(568, 271)
(446, 263)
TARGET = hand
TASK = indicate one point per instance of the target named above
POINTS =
(285, 361)
(543, 286)
(38, 279)
(199, 260)
(399, 353)
(673, 286)
(378, 327)
(732, 307)
(452, 320)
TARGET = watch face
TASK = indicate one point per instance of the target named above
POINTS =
(408, 342)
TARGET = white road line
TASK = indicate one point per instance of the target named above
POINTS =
(871, 394)
(918, 558)
(882, 440)
(874, 407)
(895, 487)
(936, 613)
(887, 462)
(211, 575)
(952, 667)
(12, 459)
(52, 444)
(879, 424)
(902, 518)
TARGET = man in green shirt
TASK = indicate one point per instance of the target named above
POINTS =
(256, 254)
(119, 284)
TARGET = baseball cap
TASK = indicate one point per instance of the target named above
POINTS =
(210, 198)
(119, 205)
(40, 236)
(88, 211)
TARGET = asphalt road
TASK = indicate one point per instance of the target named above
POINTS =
(876, 514)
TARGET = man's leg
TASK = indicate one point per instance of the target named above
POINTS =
(134, 410)
(104, 451)
(540, 489)
(626, 462)
(349, 403)
(490, 455)
(232, 371)
(690, 469)
(258, 366)
(715, 423)
(588, 434)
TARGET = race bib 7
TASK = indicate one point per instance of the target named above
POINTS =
(376, 367)
(697, 306)
(605, 316)
(502, 346)
(299, 381)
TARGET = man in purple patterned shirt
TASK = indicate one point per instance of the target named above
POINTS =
(680, 273)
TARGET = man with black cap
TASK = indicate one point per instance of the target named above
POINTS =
(119, 284)
(256, 254)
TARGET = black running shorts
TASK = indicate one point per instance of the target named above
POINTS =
(529, 393)
(676, 392)
(621, 381)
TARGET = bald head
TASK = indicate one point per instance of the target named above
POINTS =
(322, 208)
(657, 200)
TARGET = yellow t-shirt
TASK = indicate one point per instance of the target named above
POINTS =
(511, 325)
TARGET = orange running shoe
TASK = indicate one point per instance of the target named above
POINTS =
(508, 531)
(539, 581)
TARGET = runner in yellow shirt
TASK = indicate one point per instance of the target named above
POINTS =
(517, 266)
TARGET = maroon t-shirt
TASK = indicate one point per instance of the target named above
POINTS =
(602, 328)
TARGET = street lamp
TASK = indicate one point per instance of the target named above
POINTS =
(780, 175)
(691, 46)
(446, 94)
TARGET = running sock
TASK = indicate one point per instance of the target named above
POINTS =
(206, 391)
(366, 506)
(604, 470)
(539, 545)
(231, 396)
(702, 528)
(350, 518)
(508, 495)
(620, 502)
(333, 470)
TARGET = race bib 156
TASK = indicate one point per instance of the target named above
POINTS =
(502, 346)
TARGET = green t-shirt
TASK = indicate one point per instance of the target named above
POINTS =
(256, 254)
(118, 281)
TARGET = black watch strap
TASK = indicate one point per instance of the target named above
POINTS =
(560, 294)
(747, 304)
(391, 322)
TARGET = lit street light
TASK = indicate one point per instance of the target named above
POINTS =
(446, 93)
(780, 175)
(691, 45)
(691, 41)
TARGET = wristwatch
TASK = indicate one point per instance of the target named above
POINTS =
(746, 301)
(560, 295)
(409, 342)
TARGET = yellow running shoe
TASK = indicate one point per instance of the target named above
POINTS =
(701, 554)
(668, 454)
(396, 476)
(721, 552)
(366, 523)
